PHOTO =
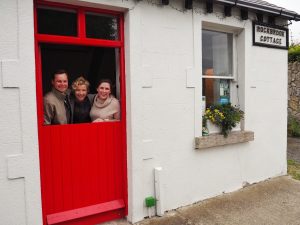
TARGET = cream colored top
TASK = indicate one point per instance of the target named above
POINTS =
(108, 110)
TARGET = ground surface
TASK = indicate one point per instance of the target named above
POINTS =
(272, 202)
(293, 149)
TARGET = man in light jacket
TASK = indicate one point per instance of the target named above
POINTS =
(56, 102)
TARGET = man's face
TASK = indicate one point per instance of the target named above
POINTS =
(60, 82)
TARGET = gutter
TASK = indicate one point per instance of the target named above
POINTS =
(263, 8)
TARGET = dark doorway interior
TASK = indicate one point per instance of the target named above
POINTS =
(94, 63)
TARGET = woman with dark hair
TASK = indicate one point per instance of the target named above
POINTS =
(80, 101)
(105, 106)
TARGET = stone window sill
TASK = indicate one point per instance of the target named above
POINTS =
(214, 140)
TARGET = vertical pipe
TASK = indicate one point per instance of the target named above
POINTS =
(158, 191)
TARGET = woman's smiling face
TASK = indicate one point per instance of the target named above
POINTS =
(81, 92)
(104, 90)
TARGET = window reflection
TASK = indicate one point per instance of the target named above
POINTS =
(216, 53)
(216, 91)
(57, 22)
(101, 26)
(77, 87)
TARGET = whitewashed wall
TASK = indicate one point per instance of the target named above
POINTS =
(163, 69)
(165, 61)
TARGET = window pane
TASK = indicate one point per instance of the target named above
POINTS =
(216, 91)
(101, 26)
(92, 63)
(216, 53)
(57, 22)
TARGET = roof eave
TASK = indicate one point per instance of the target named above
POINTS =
(268, 9)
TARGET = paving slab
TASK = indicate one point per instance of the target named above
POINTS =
(117, 222)
(272, 202)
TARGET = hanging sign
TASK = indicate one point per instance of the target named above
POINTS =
(271, 36)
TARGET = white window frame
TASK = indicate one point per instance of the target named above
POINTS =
(233, 77)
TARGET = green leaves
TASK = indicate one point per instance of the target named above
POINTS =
(224, 116)
(293, 169)
(293, 127)
(294, 53)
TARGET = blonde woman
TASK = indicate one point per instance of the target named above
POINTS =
(80, 101)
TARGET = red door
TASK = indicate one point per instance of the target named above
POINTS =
(83, 166)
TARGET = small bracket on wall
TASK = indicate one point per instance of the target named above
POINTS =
(191, 78)
(188, 4)
(147, 79)
(10, 71)
(244, 14)
(165, 2)
(15, 166)
(209, 6)
(227, 10)
(271, 19)
(260, 17)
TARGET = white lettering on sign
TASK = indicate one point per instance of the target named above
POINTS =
(270, 36)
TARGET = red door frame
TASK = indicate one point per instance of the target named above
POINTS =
(82, 40)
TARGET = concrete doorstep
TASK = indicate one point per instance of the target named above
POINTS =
(272, 202)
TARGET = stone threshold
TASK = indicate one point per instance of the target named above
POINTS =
(214, 140)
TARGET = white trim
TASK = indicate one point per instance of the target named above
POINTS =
(206, 25)
(192, 74)
(234, 56)
(219, 77)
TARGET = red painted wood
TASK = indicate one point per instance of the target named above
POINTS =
(47, 38)
(72, 156)
(81, 23)
(82, 165)
(85, 211)
(123, 155)
(97, 218)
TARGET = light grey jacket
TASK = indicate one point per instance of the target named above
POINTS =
(56, 111)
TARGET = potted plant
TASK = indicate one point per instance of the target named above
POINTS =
(225, 116)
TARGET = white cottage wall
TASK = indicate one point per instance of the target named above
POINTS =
(163, 81)
(162, 108)
(266, 100)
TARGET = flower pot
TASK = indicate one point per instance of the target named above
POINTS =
(214, 129)
(205, 131)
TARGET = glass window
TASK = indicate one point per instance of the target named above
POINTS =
(216, 53)
(216, 91)
(57, 21)
(101, 26)
(217, 60)
(71, 71)
(94, 63)
(91, 63)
